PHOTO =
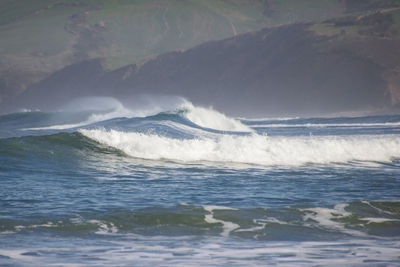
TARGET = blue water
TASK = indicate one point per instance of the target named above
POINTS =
(188, 186)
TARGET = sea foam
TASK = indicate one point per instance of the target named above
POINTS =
(252, 149)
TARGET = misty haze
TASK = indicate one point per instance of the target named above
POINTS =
(199, 132)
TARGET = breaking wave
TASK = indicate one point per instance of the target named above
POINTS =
(96, 109)
(210, 118)
(188, 133)
(252, 149)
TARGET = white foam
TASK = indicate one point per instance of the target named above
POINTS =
(104, 228)
(272, 220)
(378, 220)
(7, 233)
(158, 251)
(210, 118)
(211, 208)
(326, 218)
(260, 224)
(56, 127)
(377, 209)
(261, 119)
(227, 226)
(27, 110)
(253, 149)
(33, 226)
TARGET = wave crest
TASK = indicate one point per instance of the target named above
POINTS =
(252, 149)
(86, 111)
(210, 118)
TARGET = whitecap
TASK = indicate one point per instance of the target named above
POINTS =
(252, 149)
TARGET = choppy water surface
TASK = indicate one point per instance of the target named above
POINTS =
(187, 185)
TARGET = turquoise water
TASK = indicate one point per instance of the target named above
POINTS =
(188, 186)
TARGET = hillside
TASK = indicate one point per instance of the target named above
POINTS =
(41, 37)
(349, 63)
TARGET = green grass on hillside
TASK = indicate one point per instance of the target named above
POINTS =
(42, 34)
(288, 11)
(396, 17)
(11, 9)
(329, 29)
(140, 29)
(128, 31)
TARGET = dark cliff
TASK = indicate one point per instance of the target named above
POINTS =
(274, 72)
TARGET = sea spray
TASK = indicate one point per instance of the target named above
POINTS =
(96, 109)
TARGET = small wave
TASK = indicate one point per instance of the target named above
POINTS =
(353, 219)
(252, 149)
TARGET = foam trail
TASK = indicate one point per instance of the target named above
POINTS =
(325, 218)
(323, 125)
(378, 220)
(253, 149)
(227, 226)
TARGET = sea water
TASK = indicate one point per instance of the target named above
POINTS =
(189, 186)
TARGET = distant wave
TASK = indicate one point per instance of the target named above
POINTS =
(106, 108)
(316, 125)
(87, 111)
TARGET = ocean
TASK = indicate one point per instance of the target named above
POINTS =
(175, 184)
